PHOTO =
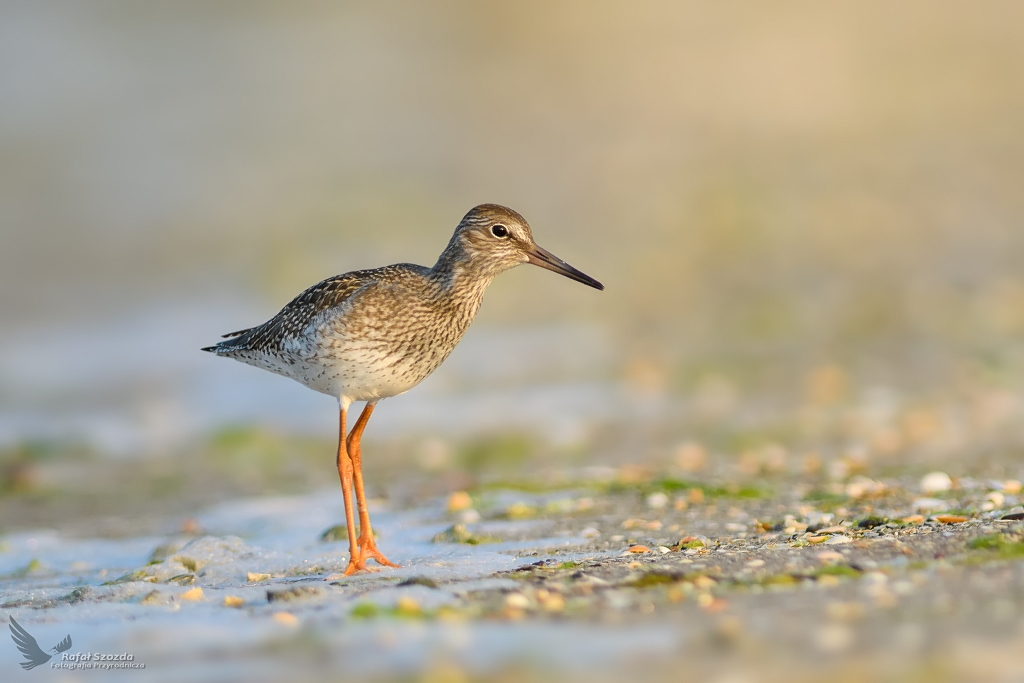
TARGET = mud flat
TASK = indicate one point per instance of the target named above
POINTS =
(660, 578)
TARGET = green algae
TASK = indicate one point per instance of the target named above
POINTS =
(458, 533)
(999, 545)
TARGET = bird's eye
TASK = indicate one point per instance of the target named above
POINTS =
(499, 231)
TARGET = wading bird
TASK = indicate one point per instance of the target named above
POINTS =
(373, 334)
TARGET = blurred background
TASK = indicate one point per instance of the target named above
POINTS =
(808, 218)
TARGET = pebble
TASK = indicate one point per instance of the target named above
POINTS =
(996, 498)
(469, 516)
(913, 519)
(408, 606)
(863, 487)
(191, 526)
(657, 500)
(829, 557)
(638, 549)
(816, 518)
(233, 601)
(951, 519)
(517, 601)
(458, 501)
(676, 594)
(192, 594)
(936, 482)
(754, 564)
(634, 523)
(590, 532)
(253, 577)
(930, 505)
(551, 601)
(838, 540)
(691, 457)
(286, 619)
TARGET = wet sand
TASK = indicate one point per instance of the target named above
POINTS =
(589, 582)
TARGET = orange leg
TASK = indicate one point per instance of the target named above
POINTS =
(355, 557)
(367, 545)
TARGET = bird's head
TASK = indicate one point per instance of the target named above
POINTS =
(492, 238)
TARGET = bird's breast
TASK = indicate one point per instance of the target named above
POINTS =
(384, 347)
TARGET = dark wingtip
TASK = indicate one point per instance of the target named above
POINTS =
(211, 349)
(239, 333)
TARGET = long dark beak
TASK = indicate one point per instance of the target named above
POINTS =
(545, 259)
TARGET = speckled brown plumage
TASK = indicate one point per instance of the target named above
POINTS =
(372, 334)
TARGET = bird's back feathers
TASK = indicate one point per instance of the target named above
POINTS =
(295, 317)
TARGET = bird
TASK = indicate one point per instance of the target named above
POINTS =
(34, 655)
(368, 335)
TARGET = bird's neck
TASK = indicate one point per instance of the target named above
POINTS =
(459, 279)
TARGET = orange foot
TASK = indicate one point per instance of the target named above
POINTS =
(357, 563)
(368, 550)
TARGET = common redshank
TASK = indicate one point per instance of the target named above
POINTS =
(373, 334)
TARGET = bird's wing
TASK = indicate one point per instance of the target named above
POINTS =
(64, 645)
(239, 333)
(296, 316)
(28, 646)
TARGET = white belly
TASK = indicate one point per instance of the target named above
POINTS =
(359, 373)
(364, 357)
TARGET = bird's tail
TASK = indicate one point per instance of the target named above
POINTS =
(236, 340)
